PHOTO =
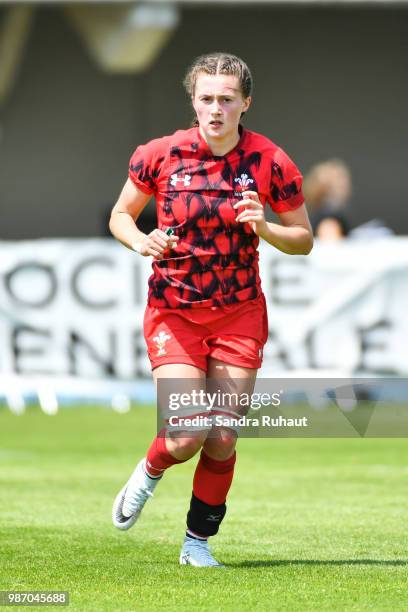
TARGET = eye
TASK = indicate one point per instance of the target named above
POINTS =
(205, 99)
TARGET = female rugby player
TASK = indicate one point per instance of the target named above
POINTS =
(206, 315)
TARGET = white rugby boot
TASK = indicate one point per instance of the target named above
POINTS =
(131, 499)
(197, 553)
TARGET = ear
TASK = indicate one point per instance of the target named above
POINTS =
(192, 102)
(247, 104)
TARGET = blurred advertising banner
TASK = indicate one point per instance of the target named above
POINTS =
(72, 308)
(75, 308)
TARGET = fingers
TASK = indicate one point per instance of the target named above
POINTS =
(249, 198)
(159, 237)
(247, 203)
(155, 253)
(249, 209)
(171, 239)
(157, 242)
(251, 195)
(246, 218)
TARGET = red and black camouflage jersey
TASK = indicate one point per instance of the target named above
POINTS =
(216, 260)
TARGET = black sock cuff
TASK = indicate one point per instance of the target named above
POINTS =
(204, 519)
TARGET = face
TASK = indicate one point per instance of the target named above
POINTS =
(218, 103)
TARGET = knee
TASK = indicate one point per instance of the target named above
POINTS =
(183, 448)
(221, 447)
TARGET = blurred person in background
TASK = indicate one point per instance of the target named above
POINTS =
(327, 189)
(206, 315)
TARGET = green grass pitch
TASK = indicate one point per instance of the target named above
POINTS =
(311, 524)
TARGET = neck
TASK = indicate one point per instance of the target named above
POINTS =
(222, 146)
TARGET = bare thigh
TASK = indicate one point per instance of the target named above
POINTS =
(186, 378)
(229, 379)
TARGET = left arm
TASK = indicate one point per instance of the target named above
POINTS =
(294, 236)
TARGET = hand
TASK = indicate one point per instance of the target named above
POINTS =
(251, 211)
(155, 244)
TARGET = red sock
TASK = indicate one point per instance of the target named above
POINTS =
(213, 478)
(158, 457)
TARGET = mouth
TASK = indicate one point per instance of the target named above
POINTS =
(216, 123)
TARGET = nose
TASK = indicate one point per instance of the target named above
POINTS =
(215, 107)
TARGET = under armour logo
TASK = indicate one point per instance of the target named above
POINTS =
(186, 179)
(213, 517)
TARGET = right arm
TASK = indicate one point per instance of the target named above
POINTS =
(125, 213)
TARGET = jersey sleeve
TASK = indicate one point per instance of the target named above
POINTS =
(145, 165)
(286, 184)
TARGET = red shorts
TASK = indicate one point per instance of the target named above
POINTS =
(235, 334)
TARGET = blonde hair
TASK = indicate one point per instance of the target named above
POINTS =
(219, 63)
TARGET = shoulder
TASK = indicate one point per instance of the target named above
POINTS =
(262, 144)
(254, 140)
(161, 146)
(270, 151)
(183, 137)
(149, 160)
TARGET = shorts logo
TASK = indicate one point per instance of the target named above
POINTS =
(244, 181)
(161, 340)
(186, 179)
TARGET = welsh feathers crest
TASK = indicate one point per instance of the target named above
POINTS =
(244, 181)
(160, 341)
